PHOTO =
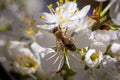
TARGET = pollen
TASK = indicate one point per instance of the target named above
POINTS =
(50, 6)
(97, 37)
(72, 12)
(77, 10)
(57, 9)
(42, 17)
(82, 51)
(74, 0)
(58, 4)
(61, 1)
(29, 31)
(66, 0)
(60, 17)
(94, 56)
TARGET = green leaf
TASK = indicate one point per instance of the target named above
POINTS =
(100, 22)
(100, 8)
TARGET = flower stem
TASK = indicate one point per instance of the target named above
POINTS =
(100, 23)
(107, 8)
(100, 8)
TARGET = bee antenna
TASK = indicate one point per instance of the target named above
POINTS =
(59, 27)
(66, 30)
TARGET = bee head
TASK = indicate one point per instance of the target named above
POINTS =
(56, 29)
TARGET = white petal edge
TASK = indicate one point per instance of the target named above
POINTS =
(82, 13)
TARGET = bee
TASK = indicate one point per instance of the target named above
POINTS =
(64, 39)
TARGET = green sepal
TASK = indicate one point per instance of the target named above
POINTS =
(86, 67)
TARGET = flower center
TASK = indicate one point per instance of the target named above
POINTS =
(62, 22)
(27, 61)
(94, 56)
(29, 31)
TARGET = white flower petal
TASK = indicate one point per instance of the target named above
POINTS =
(17, 43)
(82, 13)
(113, 34)
(88, 60)
(23, 60)
(37, 48)
(99, 46)
(57, 77)
(103, 36)
(82, 39)
(115, 12)
(45, 39)
(115, 48)
(75, 61)
(118, 34)
(71, 25)
(69, 9)
(49, 65)
(108, 63)
(81, 74)
(48, 18)
(46, 27)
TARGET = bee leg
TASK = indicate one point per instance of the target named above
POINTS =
(66, 30)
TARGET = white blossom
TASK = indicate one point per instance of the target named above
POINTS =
(56, 58)
(105, 36)
(23, 60)
(93, 58)
(65, 15)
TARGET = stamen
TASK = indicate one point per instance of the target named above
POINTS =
(42, 17)
(67, 62)
(58, 4)
(94, 56)
(66, 1)
(57, 9)
(60, 63)
(97, 37)
(51, 56)
(82, 51)
(50, 6)
(56, 60)
(77, 10)
(75, 57)
(29, 31)
(72, 12)
(60, 16)
(61, 1)
(52, 11)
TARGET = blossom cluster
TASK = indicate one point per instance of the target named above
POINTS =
(70, 44)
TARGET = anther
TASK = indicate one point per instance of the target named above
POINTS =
(50, 6)
(42, 17)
